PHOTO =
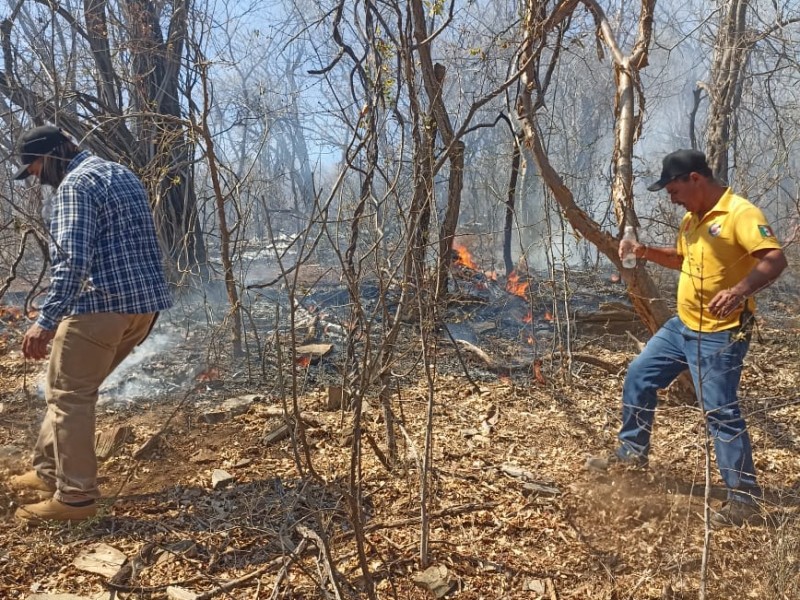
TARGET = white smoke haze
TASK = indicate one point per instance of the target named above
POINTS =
(144, 374)
(147, 373)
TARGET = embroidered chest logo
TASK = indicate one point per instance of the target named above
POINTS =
(714, 229)
(765, 231)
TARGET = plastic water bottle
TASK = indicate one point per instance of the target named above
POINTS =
(629, 258)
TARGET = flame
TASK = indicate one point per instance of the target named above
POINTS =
(303, 361)
(10, 312)
(548, 316)
(531, 340)
(210, 374)
(537, 372)
(517, 287)
(463, 257)
(527, 318)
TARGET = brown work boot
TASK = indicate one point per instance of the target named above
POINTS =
(613, 462)
(735, 514)
(55, 510)
(31, 482)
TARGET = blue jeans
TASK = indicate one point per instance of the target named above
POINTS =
(715, 363)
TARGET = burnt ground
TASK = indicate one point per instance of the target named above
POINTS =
(513, 514)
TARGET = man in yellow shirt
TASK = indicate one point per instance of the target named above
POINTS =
(726, 252)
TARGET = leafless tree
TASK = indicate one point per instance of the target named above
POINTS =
(114, 78)
(543, 23)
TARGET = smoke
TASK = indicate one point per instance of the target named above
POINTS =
(144, 373)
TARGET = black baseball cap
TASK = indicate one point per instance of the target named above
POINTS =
(36, 142)
(680, 163)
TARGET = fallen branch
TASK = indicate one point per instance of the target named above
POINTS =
(530, 482)
(284, 570)
(597, 362)
(507, 368)
(490, 363)
(234, 583)
(475, 387)
(325, 554)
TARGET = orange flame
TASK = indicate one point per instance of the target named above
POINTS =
(548, 316)
(517, 287)
(463, 257)
(210, 374)
(10, 312)
(527, 318)
(303, 361)
(537, 372)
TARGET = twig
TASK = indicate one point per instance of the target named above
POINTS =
(149, 589)
(551, 586)
(127, 573)
(233, 583)
(446, 512)
(639, 345)
(324, 550)
(378, 452)
(475, 386)
(284, 570)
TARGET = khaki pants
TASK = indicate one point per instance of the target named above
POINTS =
(86, 349)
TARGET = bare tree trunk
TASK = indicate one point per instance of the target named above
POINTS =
(224, 230)
(156, 62)
(511, 194)
(433, 78)
(697, 96)
(421, 201)
(731, 50)
(643, 292)
(455, 183)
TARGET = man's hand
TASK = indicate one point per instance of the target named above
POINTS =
(626, 246)
(34, 344)
(724, 303)
(771, 262)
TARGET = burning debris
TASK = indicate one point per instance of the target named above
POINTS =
(463, 258)
(512, 318)
(487, 313)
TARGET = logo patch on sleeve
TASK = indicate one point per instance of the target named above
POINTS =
(765, 231)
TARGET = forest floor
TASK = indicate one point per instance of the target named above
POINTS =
(512, 511)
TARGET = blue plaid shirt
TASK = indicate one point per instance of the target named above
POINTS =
(103, 246)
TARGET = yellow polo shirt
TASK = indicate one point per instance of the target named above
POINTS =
(717, 254)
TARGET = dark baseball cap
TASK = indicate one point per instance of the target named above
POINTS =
(36, 142)
(680, 163)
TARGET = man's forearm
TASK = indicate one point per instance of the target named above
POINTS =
(769, 267)
(65, 284)
(666, 256)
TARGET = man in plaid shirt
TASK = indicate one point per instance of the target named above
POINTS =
(107, 286)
